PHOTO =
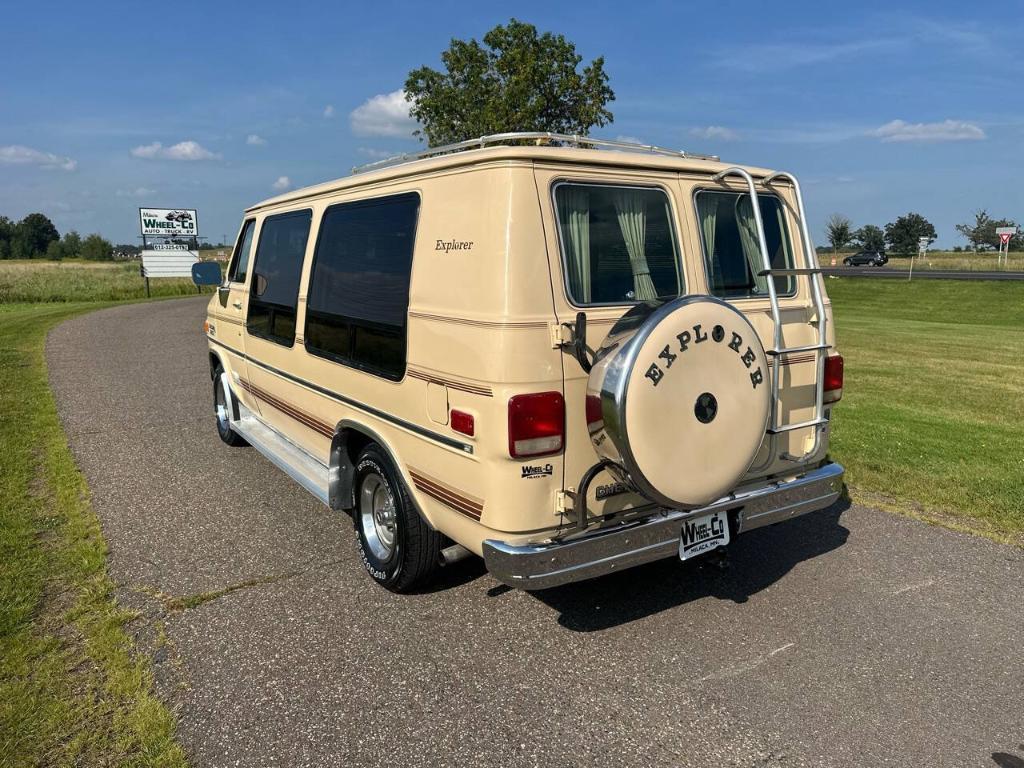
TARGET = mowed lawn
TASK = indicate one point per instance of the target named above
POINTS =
(932, 416)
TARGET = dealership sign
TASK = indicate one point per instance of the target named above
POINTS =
(169, 221)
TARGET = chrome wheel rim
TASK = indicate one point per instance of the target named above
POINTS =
(221, 408)
(377, 515)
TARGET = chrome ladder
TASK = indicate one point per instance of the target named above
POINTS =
(812, 269)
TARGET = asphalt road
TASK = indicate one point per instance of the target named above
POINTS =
(847, 638)
(922, 274)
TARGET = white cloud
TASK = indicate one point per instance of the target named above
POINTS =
(386, 114)
(255, 141)
(282, 183)
(714, 133)
(183, 150)
(329, 110)
(630, 139)
(16, 154)
(947, 130)
(137, 192)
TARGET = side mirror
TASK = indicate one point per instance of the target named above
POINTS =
(206, 273)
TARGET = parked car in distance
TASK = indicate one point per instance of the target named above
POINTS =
(866, 259)
(565, 360)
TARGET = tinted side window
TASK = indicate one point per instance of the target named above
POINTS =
(240, 262)
(276, 271)
(618, 244)
(732, 253)
(359, 288)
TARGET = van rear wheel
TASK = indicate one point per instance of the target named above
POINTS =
(398, 549)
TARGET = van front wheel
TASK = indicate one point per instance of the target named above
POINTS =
(398, 549)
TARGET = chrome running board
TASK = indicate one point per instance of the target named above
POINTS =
(298, 464)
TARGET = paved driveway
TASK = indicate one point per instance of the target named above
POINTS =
(847, 638)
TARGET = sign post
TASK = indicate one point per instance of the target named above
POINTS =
(176, 249)
(922, 248)
(1005, 235)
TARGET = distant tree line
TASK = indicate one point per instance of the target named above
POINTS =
(901, 236)
(35, 237)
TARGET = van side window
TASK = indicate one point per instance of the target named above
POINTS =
(732, 254)
(276, 271)
(618, 244)
(359, 287)
(240, 262)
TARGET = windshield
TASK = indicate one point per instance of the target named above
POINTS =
(732, 254)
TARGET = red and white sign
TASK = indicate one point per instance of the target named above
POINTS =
(1004, 237)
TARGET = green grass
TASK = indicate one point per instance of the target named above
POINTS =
(73, 689)
(38, 280)
(932, 416)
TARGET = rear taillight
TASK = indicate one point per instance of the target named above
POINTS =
(595, 417)
(536, 424)
(833, 386)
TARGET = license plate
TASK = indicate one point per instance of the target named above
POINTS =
(702, 534)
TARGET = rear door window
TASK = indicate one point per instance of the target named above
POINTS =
(274, 292)
(618, 244)
(732, 254)
(358, 296)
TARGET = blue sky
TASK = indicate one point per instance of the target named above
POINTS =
(879, 108)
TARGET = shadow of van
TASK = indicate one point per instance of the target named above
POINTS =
(756, 561)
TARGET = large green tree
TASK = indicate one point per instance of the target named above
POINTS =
(839, 231)
(518, 80)
(902, 235)
(97, 248)
(870, 238)
(981, 234)
(32, 237)
(6, 234)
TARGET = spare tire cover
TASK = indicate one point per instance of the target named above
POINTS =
(684, 391)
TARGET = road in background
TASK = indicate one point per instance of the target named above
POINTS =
(850, 637)
(923, 274)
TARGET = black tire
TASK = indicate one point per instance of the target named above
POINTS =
(412, 556)
(224, 430)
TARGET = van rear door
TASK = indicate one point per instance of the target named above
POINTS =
(611, 241)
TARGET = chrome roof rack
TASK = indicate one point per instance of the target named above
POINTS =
(540, 137)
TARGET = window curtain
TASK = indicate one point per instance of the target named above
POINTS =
(632, 216)
(784, 284)
(747, 226)
(707, 209)
(574, 212)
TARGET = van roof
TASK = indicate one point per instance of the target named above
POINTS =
(488, 154)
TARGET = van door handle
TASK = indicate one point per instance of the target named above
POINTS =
(236, 304)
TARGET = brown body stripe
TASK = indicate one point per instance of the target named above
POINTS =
(322, 427)
(459, 385)
(798, 359)
(447, 495)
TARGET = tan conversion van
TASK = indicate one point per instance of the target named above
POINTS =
(564, 355)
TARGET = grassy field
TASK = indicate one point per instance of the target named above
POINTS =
(73, 691)
(37, 280)
(932, 417)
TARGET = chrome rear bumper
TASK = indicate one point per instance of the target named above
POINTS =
(594, 553)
